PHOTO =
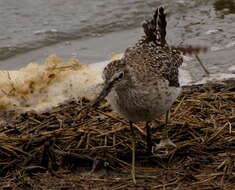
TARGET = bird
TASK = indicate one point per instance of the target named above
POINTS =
(144, 83)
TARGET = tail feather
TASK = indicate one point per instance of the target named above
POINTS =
(155, 29)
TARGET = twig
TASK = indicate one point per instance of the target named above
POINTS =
(202, 65)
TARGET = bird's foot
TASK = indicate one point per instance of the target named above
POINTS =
(163, 148)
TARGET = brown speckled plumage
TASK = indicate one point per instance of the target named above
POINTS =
(150, 83)
(144, 83)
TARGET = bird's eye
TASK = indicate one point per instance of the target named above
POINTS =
(121, 75)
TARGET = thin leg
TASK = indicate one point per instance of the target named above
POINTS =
(133, 153)
(165, 134)
(165, 143)
(148, 138)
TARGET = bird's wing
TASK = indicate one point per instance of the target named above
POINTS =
(148, 63)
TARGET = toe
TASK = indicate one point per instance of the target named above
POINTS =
(166, 143)
(163, 148)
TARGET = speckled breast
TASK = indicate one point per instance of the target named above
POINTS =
(145, 103)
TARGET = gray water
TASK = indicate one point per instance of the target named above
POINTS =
(30, 25)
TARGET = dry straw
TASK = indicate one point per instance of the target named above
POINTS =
(65, 148)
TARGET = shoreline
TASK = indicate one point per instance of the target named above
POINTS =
(88, 50)
(39, 87)
(99, 48)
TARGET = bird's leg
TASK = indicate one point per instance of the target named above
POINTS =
(133, 153)
(165, 142)
(148, 138)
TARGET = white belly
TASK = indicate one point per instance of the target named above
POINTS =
(143, 104)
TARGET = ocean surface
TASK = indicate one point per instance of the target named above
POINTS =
(92, 29)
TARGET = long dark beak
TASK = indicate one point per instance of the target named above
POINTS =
(106, 89)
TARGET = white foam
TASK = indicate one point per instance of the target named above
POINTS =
(41, 86)
(216, 77)
(230, 44)
(212, 31)
(232, 69)
(216, 48)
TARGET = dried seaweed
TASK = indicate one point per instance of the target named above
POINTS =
(68, 149)
(190, 50)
